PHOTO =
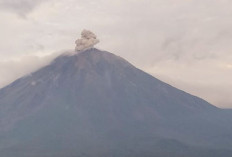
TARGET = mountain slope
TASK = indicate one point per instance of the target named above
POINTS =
(96, 102)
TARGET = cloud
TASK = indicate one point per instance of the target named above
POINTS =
(88, 40)
(21, 7)
(18, 66)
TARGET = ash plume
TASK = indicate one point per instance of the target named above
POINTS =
(88, 40)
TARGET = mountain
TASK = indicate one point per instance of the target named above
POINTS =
(94, 103)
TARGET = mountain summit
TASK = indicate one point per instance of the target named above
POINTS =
(94, 103)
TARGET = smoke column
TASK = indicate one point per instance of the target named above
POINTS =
(88, 40)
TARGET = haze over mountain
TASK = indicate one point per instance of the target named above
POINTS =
(92, 103)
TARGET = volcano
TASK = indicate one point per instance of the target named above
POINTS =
(95, 104)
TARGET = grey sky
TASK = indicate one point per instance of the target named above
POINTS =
(186, 43)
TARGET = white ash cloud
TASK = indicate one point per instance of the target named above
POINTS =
(19, 66)
(88, 40)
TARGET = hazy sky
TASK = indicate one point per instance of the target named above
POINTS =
(187, 43)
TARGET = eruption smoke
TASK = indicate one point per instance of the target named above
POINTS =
(88, 40)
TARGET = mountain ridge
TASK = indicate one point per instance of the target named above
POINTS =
(95, 97)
